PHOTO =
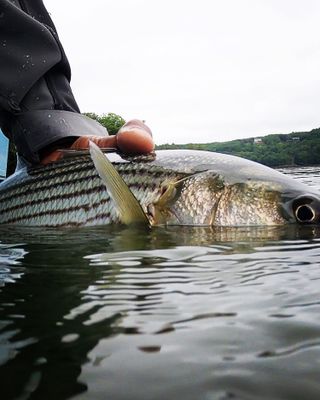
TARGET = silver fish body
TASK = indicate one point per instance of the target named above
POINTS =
(178, 187)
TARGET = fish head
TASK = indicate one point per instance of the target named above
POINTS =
(303, 208)
(210, 199)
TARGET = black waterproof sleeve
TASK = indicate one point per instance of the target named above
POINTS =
(37, 107)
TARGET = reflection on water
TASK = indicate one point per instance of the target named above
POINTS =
(179, 313)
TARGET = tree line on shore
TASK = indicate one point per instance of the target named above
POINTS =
(293, 149)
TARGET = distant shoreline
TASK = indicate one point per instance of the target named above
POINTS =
(296, 149)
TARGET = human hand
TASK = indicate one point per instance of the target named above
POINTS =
(133, 138)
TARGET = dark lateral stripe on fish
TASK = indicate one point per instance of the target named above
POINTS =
(76, 224)
(54, 212)
(35, 181)
(45, 178)
(13, 193)
(44, 200)
(66, 196)
(57, 169)
(86, 165)
(40, 174)
(71, 194)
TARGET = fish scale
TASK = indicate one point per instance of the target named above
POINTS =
(70, 193)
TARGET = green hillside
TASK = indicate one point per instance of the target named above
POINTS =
(297, 148)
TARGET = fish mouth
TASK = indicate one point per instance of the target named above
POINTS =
(306, 209)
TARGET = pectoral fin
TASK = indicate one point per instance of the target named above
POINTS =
(129, 208)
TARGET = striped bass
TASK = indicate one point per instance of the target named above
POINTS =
(177, 187)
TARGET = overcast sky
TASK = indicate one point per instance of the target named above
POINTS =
(196, 70)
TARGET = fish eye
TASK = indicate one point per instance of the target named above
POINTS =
(306, 210)
(305, 213)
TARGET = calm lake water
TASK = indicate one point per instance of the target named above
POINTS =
(179, 313)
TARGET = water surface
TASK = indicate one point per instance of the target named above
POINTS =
(179, 313)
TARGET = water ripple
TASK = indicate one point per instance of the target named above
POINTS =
(10, 259)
